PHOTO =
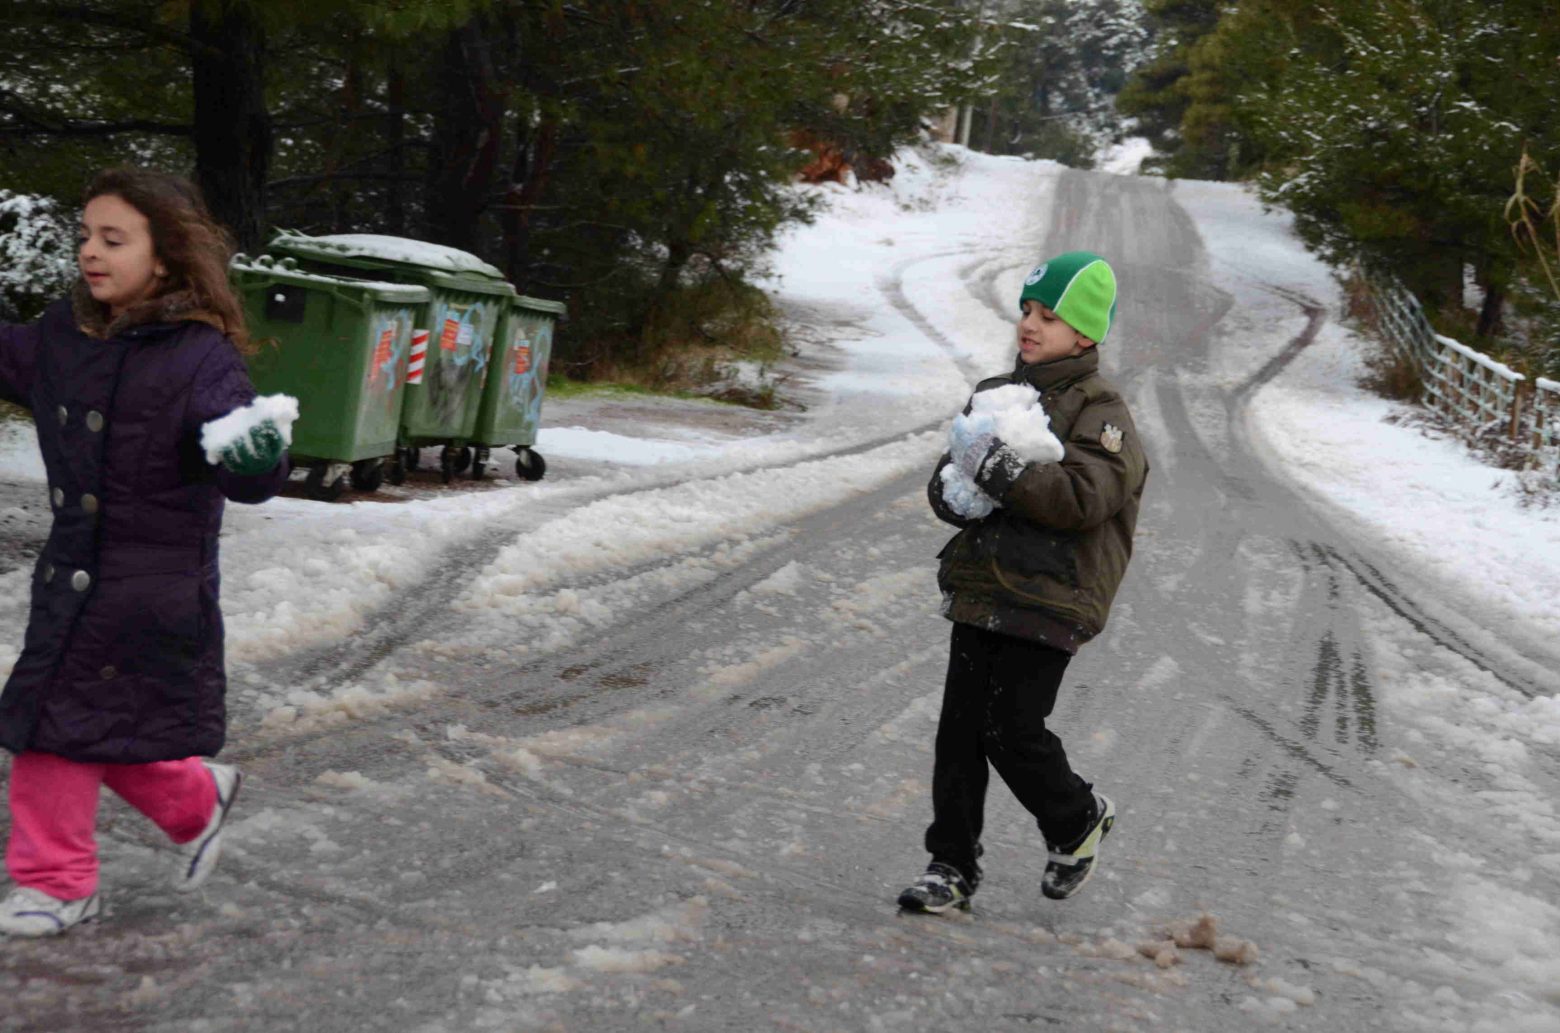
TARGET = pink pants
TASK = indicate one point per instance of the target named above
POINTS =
(54, 805)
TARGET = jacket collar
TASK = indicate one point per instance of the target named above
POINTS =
(1047, 376)
(151, 316)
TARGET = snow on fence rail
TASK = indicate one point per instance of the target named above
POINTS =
(1545, 418)
(1467, 386)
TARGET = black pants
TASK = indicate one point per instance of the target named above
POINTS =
(999, 691)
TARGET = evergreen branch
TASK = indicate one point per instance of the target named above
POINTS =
(86, 14)
(26, 123)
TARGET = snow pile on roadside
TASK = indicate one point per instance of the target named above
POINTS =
(1427, 505)
(20, 459)
(1425, 502)
(619, 533)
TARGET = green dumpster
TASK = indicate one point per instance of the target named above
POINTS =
(511, 406)
(341, 347)
(449, 364)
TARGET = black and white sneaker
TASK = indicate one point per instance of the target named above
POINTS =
(1068, 868)
(939, 888)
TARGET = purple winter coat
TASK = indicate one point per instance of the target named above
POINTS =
(122, 661)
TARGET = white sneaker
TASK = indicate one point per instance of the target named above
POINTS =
(199, 856)
(29, 912)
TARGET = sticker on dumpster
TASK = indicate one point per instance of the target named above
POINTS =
(522, 357)
(414, 368)
(384, 353)
(452, 331)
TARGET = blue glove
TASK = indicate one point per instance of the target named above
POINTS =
(257, 452)
(966, 428)
(974, 452)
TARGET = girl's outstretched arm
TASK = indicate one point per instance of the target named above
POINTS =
(18, 362)
(222, 385)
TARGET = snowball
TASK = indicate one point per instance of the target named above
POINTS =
(221, 433)
(1012, 414)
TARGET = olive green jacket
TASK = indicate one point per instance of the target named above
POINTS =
(1046, 563)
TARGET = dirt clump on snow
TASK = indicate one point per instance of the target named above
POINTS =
(1201, 934)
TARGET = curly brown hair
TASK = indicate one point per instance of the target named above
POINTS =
(191, 244)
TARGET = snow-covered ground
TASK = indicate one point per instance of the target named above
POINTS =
(891, 337)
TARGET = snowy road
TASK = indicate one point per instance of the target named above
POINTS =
(689, 801)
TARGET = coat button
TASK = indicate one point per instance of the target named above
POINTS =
(64, 414)
(109, 672)
(58, 495)
(48, 572)
(81, 581)
(94, 421)
(89, 503)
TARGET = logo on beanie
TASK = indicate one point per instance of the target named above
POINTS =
(1035, 276)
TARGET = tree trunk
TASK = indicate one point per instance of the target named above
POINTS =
(993, 117)
(395, 137)
(677, 257)
(533, 167)
(1492, 312)
(232, 126)
(468, 128)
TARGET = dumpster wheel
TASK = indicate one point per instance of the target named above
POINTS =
(397, 473)
(447, 458)
(367, 474)
(316, 487)
(530, 466)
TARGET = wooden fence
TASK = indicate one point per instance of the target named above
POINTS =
(1471, 389)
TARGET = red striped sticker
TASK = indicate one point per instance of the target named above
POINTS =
(414, 368)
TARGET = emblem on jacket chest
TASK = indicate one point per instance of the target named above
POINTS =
(1110, 439)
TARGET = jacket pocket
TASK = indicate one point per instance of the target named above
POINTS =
(161, 625)
(1026, 551)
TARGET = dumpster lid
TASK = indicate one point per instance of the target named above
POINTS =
(287, 269)
(541, 304)
(383, 248)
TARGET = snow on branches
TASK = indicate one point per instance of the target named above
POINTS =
(37, 253)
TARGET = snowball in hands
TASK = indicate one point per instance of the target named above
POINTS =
(1012, 415)
(251, 439)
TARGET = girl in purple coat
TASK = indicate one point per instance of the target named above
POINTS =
(121, 681)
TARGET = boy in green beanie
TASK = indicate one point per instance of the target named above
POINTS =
(1027, 580)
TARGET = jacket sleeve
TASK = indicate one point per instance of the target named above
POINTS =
(1090, 484)
(222, 385)
(18, 362)
(934, 495)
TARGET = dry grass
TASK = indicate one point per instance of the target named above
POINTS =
(1390, 372)
(718, 339)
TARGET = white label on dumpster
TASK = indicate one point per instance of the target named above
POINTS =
(464, 335)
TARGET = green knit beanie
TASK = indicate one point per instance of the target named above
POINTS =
(1080, 288)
